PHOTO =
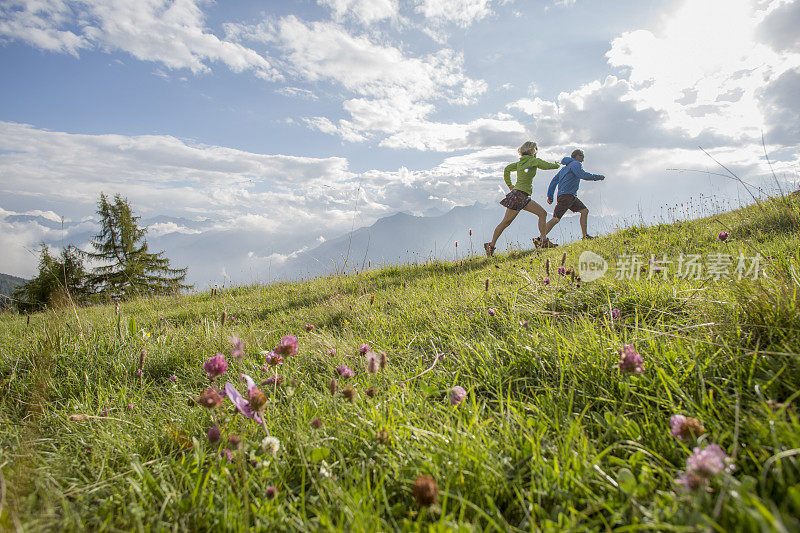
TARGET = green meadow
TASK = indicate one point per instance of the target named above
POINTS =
(552, 435)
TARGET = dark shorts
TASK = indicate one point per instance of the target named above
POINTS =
(516, 200)
(567, 201)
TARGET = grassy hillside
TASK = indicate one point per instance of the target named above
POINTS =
(552, 435)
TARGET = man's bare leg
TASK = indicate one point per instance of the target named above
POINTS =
(551, 224)
(584, 221)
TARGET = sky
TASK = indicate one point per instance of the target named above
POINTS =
(296, 122)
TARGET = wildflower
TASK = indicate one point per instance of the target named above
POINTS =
(382, 359)
(371, 392)
(273, 380)
(563, 258)
(237, 347)
(213, 434)
(630, 360)
(223, 318)
(215, 366)
(331, 352)
(349, 393)
(209, 398)
(271, 492)
(173, 378)
(139, 372)
(562, 271)
(235, 442)
(316, 423)
(546, 281)
(425, 490)
(333, 386)
(682, 427)
(242, 405)
(547, 266)
(723, 236)
(287, 346)
(615, 314)
(142, 356)
(492, 312)
(131, 406)
(371, 299)
(271, 445)
(227, 454)
(309, 327)
(345, 371)
(364, 348)
(273, 359)
(709, 461)
(457, 395)
(525, 324)
(703, 465)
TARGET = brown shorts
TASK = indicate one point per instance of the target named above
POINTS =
(516, 200)
(567, 201)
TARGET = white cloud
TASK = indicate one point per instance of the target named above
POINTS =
(323, 51)
(165, 228)
(700, 53)
(163, 31)
(297, 92)
(365, 11)
(461, 12)
(37, 23)
(779, 27)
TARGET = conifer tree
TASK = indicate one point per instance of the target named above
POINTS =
(61, 280)
(127, 268)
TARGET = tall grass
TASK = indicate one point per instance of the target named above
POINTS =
(550, 437)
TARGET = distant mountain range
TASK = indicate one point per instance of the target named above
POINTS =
(7, 285)
(405, 238)
(218, 254)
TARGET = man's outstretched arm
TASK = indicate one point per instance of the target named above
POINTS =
(577, 168)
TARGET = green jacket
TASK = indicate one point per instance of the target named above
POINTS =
(526, 170)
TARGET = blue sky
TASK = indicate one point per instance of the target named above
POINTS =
(300, 119)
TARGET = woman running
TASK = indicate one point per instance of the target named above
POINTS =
(520, 196)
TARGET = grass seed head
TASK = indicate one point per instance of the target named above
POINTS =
(349, 393)
(425, 490)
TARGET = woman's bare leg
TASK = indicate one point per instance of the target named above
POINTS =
(507, 220)
(539, 211)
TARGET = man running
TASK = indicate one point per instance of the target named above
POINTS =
(568, 179)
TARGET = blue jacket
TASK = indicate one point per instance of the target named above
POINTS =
(569, 178)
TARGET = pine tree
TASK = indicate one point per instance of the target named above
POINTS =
(127, 268)
(61, 280)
